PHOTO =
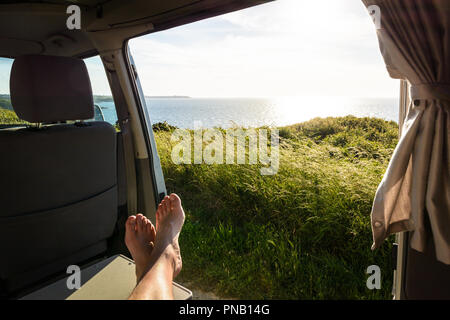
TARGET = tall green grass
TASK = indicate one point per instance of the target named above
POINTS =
(303, 233)
(9, 117)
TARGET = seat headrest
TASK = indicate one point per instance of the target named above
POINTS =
(51, 88)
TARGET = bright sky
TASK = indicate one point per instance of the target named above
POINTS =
(283, 48)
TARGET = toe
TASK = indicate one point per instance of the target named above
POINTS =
(131, 221)
(130, 224)
(176, 206)
(143, 224)
(150, 231)
(166, 204)
(153, 232)
(158, 217)
(175, 199)
(140, 222)
(147, 225)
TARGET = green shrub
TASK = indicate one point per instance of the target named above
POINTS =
(163, 126)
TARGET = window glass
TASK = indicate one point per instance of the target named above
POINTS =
(7, 115)
(101, 89)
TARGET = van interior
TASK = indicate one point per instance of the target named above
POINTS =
(69, 180)
(76, 177)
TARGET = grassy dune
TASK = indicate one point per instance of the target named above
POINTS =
(303, 233)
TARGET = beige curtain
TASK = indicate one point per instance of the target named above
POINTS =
(414, 195)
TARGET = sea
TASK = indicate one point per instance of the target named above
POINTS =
(192, 113)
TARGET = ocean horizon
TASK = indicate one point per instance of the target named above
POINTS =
(185, 112)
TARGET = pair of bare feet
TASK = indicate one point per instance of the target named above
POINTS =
(150, 245)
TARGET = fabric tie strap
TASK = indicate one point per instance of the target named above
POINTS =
(430, 92)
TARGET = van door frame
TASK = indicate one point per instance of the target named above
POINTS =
(112, 46)
(401, 238)
(146, 123)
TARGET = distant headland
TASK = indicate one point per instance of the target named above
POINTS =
(99, 98)
(5, 99)
(168, 97)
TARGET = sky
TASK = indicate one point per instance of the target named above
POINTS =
(281, 49)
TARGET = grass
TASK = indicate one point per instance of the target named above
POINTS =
(9, 117)
(303, 233)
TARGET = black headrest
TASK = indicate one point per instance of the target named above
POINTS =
(51, 88)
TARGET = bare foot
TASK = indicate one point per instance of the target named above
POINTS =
(169, 221)
(140, 237)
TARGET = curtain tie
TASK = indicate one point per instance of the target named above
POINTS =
(430, 91)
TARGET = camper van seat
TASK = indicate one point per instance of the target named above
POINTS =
(58, 191)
